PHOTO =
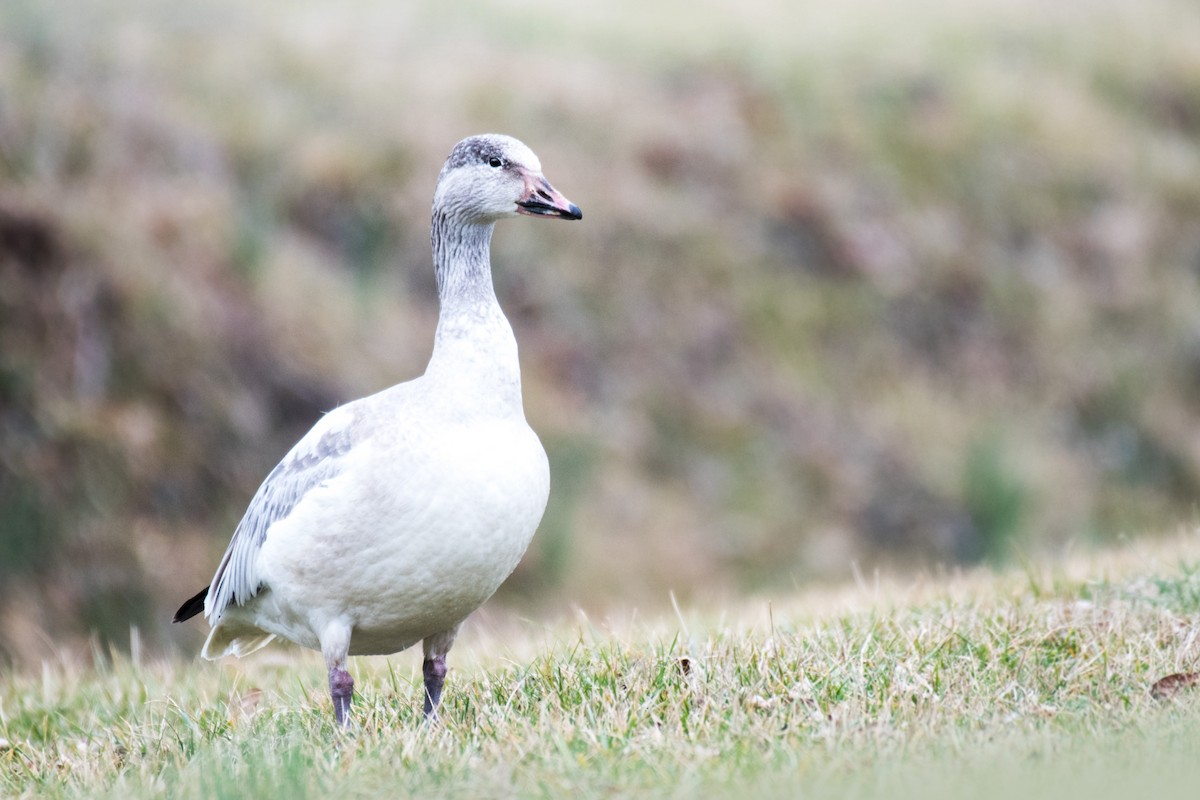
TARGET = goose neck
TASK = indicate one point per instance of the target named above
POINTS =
(474, 351)
(462, 261)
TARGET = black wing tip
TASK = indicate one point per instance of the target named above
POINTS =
(191, 607)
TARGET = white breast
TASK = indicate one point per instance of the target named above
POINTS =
(434, 527)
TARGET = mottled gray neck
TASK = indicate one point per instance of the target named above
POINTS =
(461, 261)
(474, 352)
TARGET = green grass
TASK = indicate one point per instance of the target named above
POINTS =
(1022, 683)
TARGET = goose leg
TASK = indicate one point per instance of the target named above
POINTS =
(341, 688)
(434, 668)
(335, 646)
(435, 676)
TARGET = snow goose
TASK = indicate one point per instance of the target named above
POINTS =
(399, 514)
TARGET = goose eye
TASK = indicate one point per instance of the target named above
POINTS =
(495, 162)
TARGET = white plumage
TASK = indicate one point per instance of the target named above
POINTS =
(399, 514)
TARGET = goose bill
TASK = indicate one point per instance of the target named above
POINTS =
(543, 200)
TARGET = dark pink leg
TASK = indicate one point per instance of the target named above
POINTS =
(435, 675)
(341, 687)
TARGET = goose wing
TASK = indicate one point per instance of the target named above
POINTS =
(318, 457)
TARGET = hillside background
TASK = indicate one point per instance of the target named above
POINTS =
(858, 285)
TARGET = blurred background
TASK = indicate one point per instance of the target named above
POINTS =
(859, 284)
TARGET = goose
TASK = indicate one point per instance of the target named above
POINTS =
(399, 514)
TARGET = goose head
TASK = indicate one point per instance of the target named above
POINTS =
(493, 176)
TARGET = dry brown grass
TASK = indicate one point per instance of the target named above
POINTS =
(1026, 684)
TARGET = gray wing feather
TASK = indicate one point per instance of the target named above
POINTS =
(316, 458)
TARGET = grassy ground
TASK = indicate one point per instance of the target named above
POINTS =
(1027, 683)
